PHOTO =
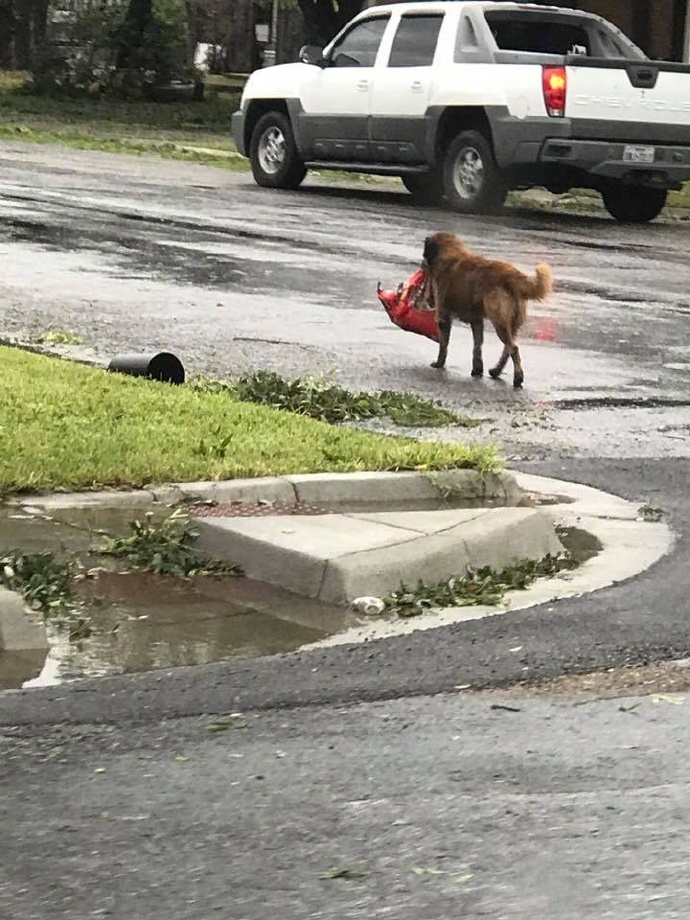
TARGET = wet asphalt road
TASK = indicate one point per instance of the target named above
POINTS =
(436, 808)
(556, 810)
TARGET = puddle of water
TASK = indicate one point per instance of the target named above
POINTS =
(17, 667)
(142, 621)
(580, 543)
(621, 402)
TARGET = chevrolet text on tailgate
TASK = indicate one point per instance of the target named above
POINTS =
(465, 101)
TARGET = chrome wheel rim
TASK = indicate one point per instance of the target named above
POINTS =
(468, 173)
(272, 150)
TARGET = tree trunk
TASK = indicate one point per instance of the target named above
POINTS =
(290, 36)
(130, 38)
(139, 14)
(30, 19)
(324, 18)
(7, 61)
(242, 56)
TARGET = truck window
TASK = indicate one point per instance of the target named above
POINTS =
(415, 41)
(538, 36)
(359, 47)
(610, 47)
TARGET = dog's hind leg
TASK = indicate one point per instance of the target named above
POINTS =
(518, 373)
(497, 369)
(478, 338)
(510, 350)
(443, 321)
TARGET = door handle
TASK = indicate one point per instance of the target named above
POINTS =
(363, 84)
(417, 87)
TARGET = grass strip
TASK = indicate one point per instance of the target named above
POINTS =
(191, 131)
(196, 132)
(67, 426)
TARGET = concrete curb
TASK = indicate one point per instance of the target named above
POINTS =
(19, 631)
(435, 530)
(338, 557)
(630, 545)
(361, 490)
(380, 489)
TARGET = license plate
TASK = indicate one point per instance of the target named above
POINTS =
(637, 153)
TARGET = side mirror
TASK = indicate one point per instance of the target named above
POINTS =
(312, 54)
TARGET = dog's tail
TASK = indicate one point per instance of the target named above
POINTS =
(526, 288)
(540, 286)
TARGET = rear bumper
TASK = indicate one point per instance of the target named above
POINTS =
(598, 158)
(237, 131)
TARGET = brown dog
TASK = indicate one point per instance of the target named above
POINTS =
(469, 287)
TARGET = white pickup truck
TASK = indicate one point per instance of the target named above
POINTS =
(467, 100)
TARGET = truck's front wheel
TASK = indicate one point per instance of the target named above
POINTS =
(472, 181)
(633, 203)
(273, 153)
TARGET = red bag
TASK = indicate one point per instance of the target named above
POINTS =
(409, 306)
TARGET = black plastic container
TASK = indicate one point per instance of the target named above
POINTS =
(161, 366)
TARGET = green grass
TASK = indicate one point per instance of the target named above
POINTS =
(195, 131)
(680, 199)
(64, 425)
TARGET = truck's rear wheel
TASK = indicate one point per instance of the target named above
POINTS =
(472, 181)
(633, 203)
(273, 153)
(426, 188)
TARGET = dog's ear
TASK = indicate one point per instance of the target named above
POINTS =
(431, 249)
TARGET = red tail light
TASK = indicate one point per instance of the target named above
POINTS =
(554, 85)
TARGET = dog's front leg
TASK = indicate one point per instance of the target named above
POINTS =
(444, 323)
(478, 338)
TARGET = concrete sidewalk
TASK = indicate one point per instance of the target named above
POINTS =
(336, 537)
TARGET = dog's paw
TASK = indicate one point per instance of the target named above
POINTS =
(494, 372)
(518, 380)
(439, 364)
(478, 371)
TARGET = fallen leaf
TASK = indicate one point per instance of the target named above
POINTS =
(344, 872)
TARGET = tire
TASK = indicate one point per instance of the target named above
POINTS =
(633, 203)
(273, 153)
(426, 188)
(472, 181)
